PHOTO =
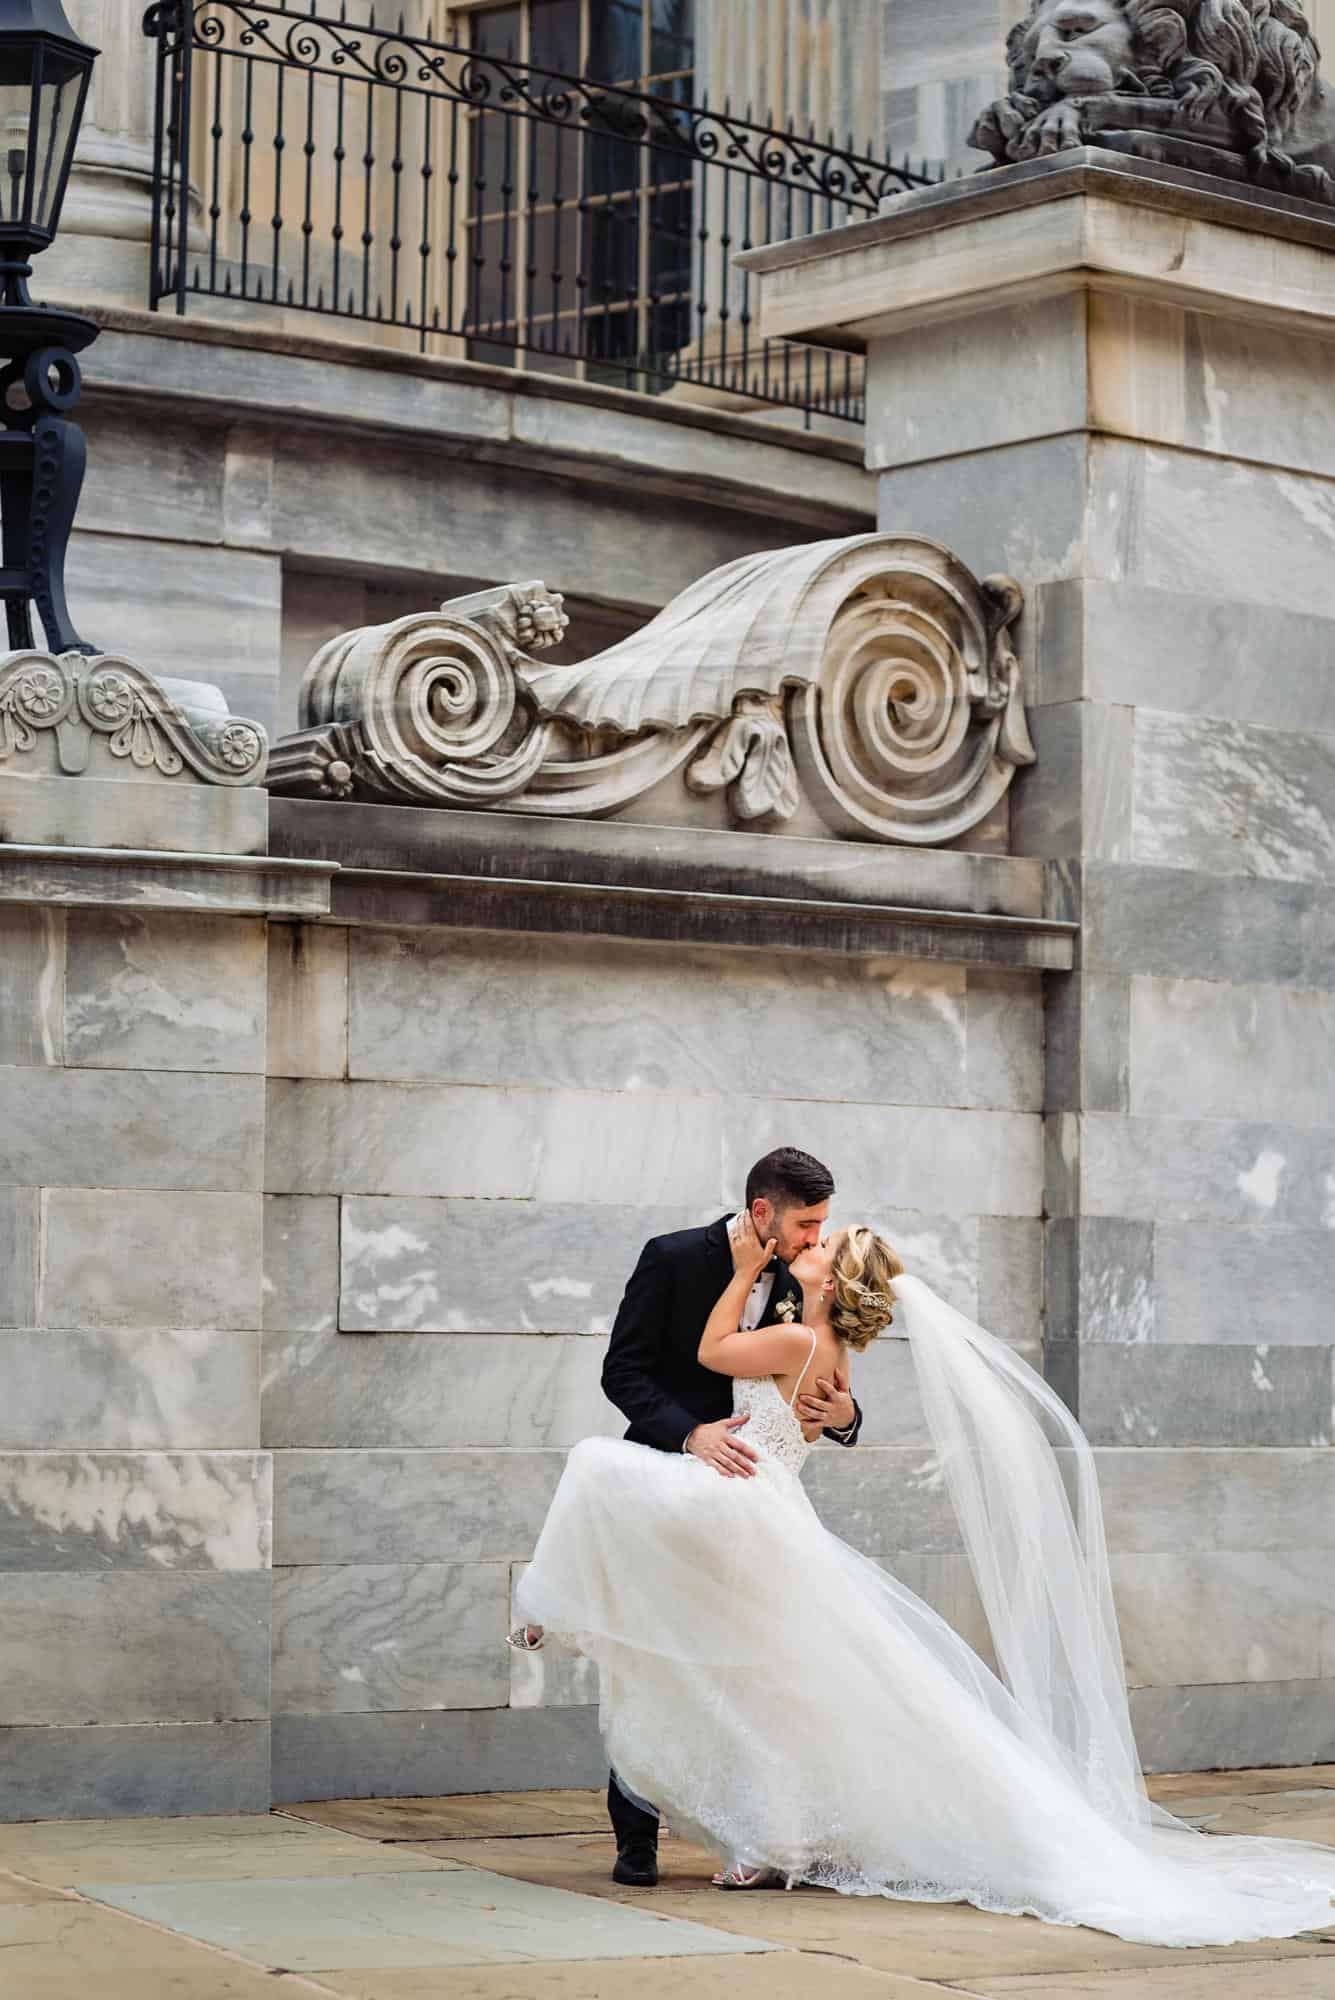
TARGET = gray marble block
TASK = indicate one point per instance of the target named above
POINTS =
(154, 1511)
(354, 1637)
(1178, 924)
(1177, 1170)
(138, 813)
(491, 1266)
(164, 991)
(1203, 1049)
(476, 1008)
(1005, 1041)
(111, 1129)
(20, 1224)
(979, 517)
(150, 1770)
(1188, 1620)
(1215, 654)
(1234, 1727)
(475, 1391)
(308, 1000)
(301, 1261)
(119, 1257)
(32, 984)
(1088, 1043)
(67, 1390)
(1169, 519)
(1185, 1500)
(1010, 1276)
(131, 1647)
(352, 1506)
(427, 1754)
(1272, 1285)
(1225, 798)
(583, 1146)
(1159, 1394)
(1101, 1280)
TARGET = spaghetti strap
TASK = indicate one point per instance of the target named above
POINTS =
(802, 1377)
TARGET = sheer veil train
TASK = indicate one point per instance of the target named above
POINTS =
(1023, 1483)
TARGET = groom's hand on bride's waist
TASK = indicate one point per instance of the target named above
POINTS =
(829, 1404)
(719, 1446)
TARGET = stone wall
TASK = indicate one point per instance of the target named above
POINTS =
(291, 1365)
(135, 1502)
(469, 1136)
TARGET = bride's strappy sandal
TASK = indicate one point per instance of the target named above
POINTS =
(527, 1638)
(739, 1877)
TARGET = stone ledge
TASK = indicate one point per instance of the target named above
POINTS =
(1080, 170)
(405, 866)
(124, 1770)
(1089, 218)
(222, 884)
(443, 406)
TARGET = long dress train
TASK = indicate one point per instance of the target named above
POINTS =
(791, 1704)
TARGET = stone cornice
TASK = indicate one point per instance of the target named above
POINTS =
(407, 866)
(154, 879)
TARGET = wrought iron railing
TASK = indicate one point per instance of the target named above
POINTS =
(467, 203)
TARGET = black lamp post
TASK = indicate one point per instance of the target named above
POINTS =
(44, 73)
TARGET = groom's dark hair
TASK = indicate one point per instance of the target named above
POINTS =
(789, 1179)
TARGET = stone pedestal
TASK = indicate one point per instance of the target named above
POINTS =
(1113, 378)
(96, 753)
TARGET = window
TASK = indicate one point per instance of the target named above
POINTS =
(579, 233)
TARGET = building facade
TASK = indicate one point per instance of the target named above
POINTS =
(334, 1117)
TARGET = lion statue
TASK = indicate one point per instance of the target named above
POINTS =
(1225, 86)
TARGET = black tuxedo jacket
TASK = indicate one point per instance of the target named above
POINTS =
(652, 1372)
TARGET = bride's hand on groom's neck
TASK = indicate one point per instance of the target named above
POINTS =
(749, 1254)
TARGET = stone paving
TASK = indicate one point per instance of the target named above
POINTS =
(508, 1896)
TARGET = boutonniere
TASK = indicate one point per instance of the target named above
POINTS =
(786, 1310)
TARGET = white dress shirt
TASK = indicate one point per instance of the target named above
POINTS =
(757, 1299)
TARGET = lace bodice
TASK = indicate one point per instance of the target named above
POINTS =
(773, 1430)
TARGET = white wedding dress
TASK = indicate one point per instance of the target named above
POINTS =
(788, 1703)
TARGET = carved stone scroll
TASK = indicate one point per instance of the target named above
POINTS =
(69, 713)
(869, 681)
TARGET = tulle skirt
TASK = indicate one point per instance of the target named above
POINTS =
(788, 1703)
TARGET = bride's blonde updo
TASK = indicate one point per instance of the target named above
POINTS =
(864, 1299)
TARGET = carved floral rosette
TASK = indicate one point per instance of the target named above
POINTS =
(106, 703)
(873, 677)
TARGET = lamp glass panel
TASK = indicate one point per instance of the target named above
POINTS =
(57, 129)
(17, 63)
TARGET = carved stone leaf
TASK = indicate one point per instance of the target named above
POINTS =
(750, 753)
(768, 782)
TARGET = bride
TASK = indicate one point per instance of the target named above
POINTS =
(795, 1709)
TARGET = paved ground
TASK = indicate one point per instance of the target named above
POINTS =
(507, 1897)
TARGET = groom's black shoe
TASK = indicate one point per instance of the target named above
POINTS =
(636, 1865)
(636, 1830)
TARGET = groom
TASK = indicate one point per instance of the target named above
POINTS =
(654, 1377)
